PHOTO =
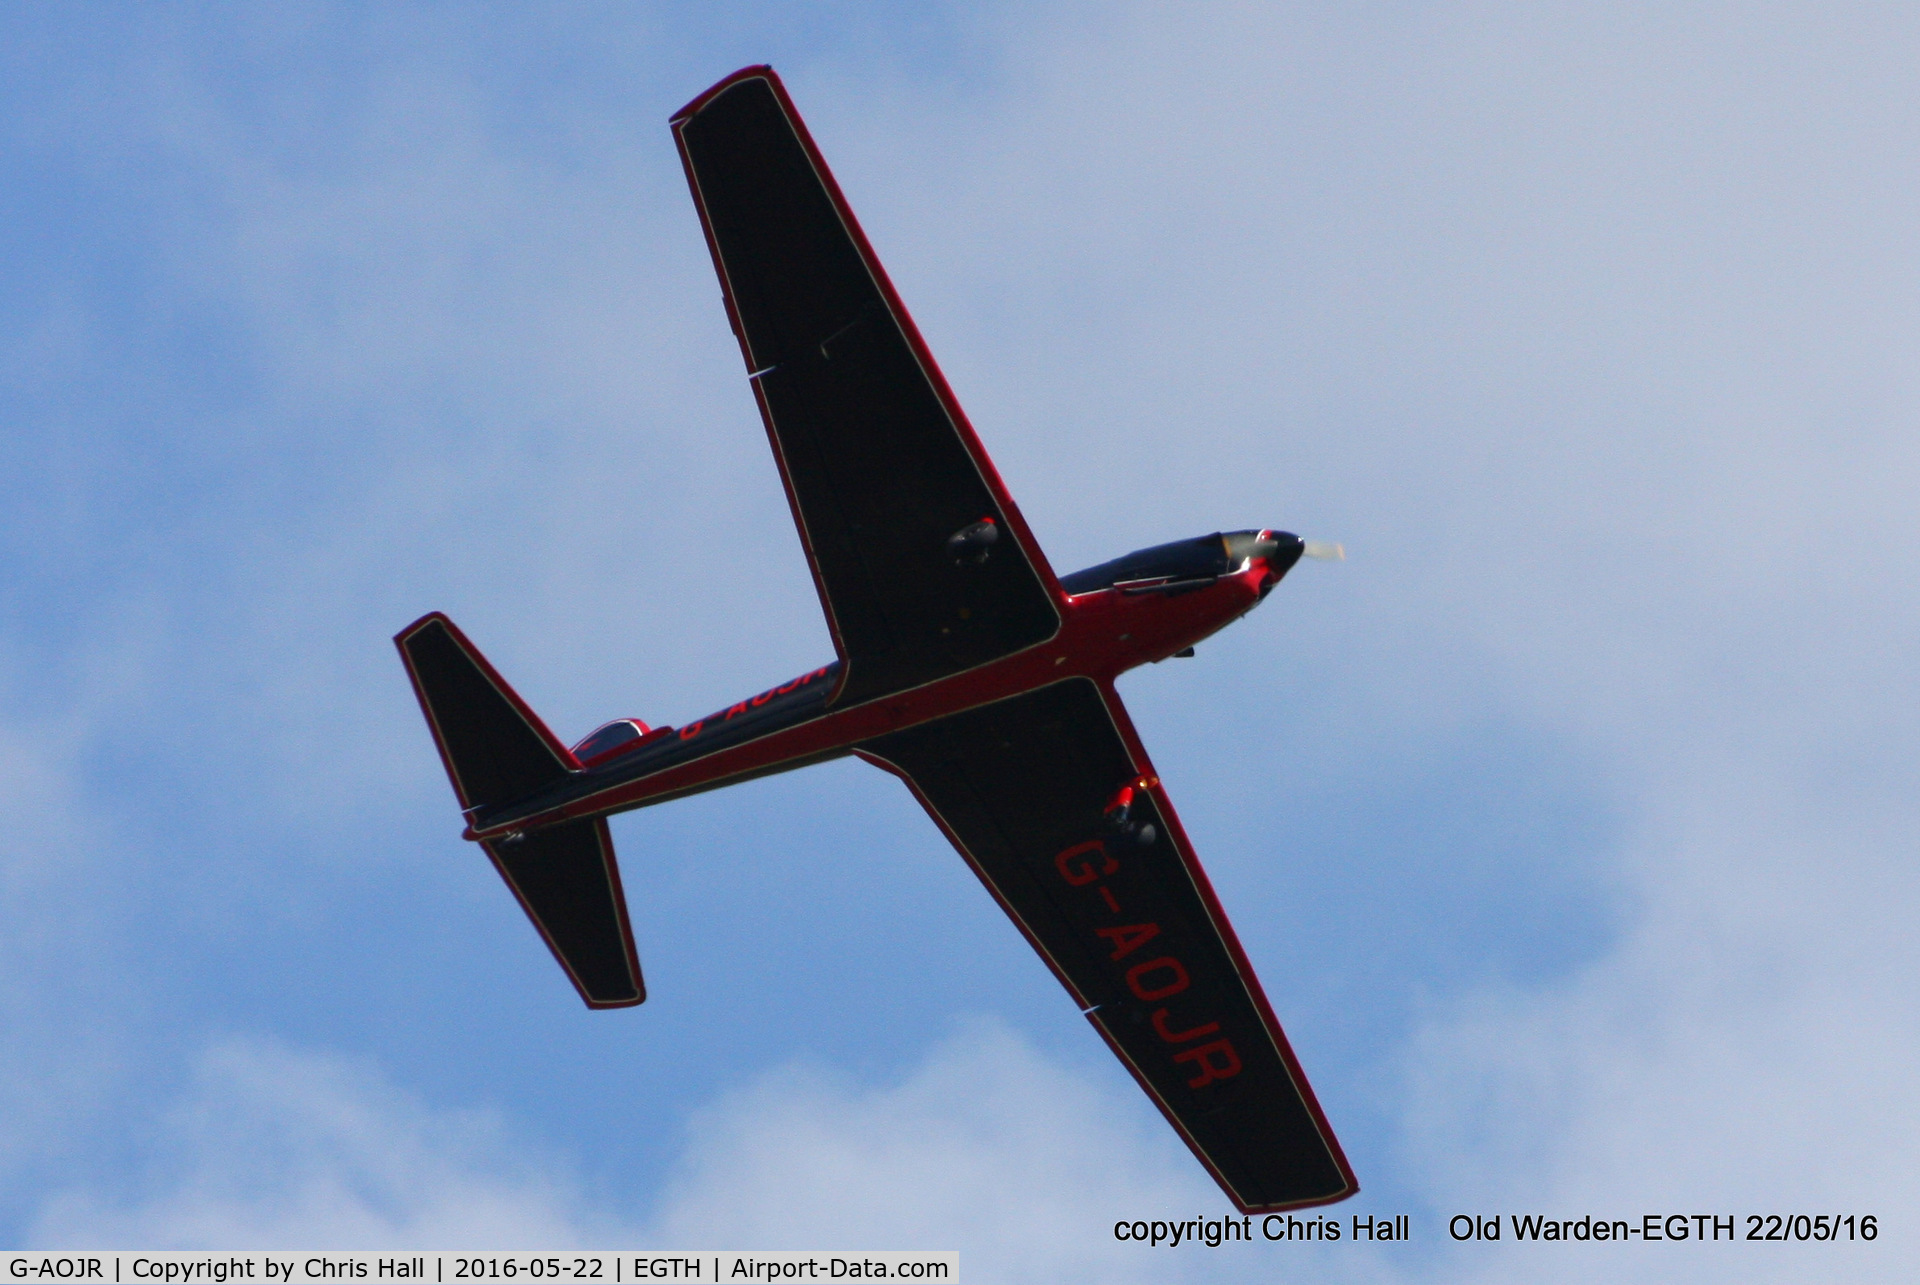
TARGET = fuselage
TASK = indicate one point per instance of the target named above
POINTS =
(1144, 607)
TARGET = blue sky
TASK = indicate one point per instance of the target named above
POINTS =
(1570, 822)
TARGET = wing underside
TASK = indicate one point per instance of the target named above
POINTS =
(1131, 929)
(880, 464)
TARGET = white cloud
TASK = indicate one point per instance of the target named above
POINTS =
(1747, 1050)
(55, 956)
(987, 1147)
(273, 1148)
(67, 1005)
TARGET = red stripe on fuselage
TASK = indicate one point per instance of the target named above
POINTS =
(1104, 633)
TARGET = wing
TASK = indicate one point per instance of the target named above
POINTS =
(1131, 929)
(881, 467)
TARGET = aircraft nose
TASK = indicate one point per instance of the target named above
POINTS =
(1282, 549)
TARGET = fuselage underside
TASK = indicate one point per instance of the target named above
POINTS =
(1137, 609)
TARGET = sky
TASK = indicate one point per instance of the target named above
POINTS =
(1571, 823)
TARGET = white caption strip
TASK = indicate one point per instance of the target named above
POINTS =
(168, 1267)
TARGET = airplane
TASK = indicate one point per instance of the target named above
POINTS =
(964, 666)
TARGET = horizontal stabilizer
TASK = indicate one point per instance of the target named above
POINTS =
(569, 884)
(495, 748)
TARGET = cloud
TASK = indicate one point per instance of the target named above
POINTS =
(1746, 1050)
(56, 955)
(986, 1147)
(70, 999)
(274, 1148)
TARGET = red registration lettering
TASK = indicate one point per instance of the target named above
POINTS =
(1076, 863)
(1179, 1037)
(1128, 938)
(1217, 1061)
(1165, 964)
(692, 730)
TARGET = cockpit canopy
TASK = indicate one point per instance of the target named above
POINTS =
(1202, 558)
(611, 740)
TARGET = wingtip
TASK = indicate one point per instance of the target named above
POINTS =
(431, 618)
(759, 71)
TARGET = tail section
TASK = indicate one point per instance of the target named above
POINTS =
(569, 885)
(497, 750)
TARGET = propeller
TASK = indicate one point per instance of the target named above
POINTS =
(1324, 552)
